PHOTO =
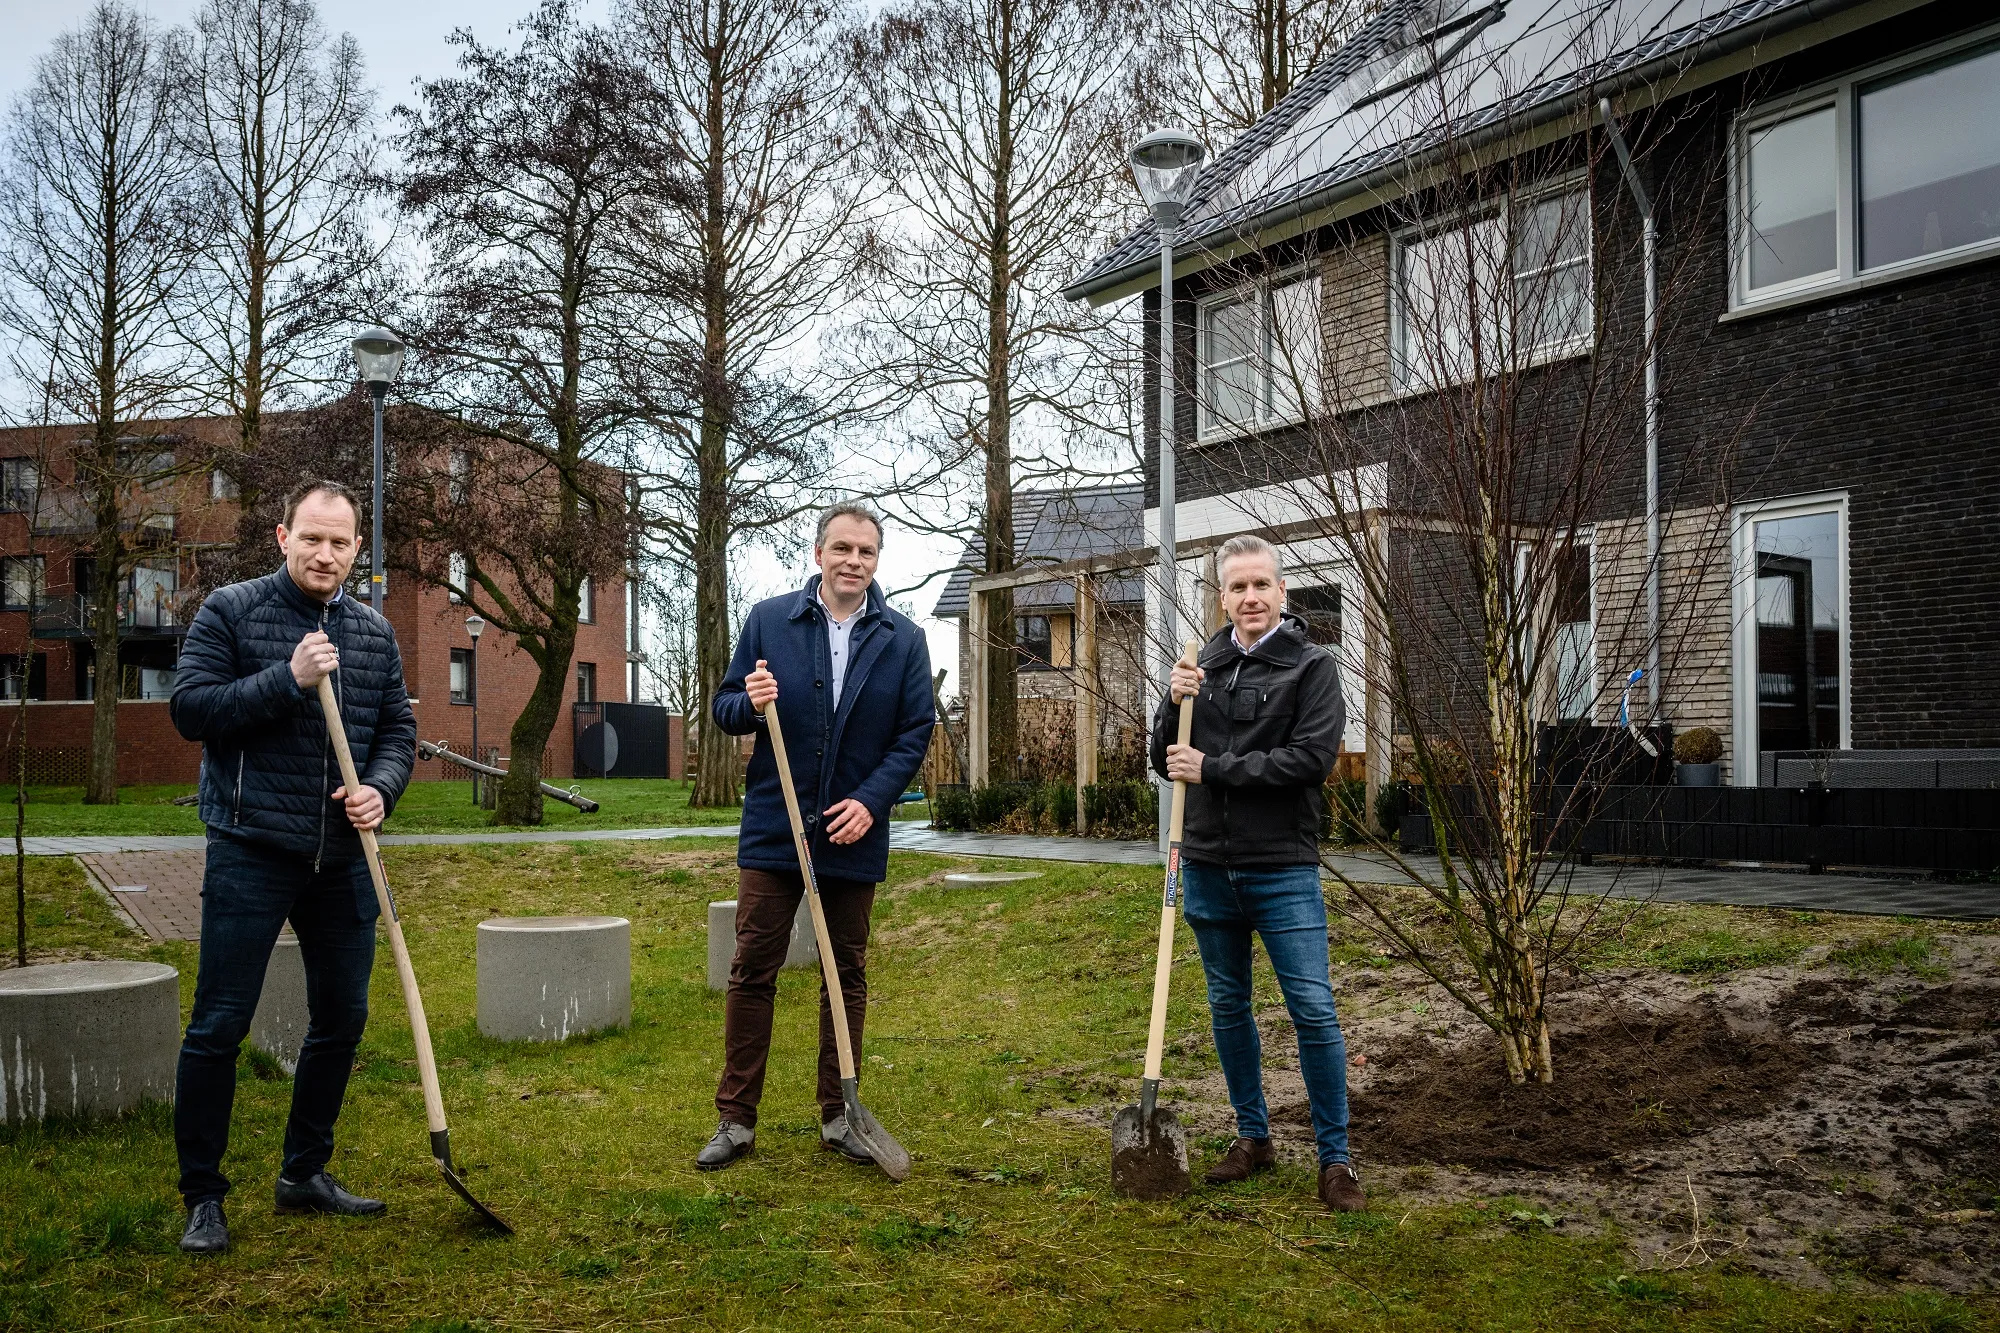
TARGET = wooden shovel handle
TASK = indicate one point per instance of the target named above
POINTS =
(1163, 965)
(420, 1030)
(837, 1001)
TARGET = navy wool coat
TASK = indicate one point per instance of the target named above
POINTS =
(869, 748)
(267, 768)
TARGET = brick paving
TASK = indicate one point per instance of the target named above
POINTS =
(171, 869)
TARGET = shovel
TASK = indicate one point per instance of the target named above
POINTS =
(419, 1029)
(1149, 1157)
(890, 1155)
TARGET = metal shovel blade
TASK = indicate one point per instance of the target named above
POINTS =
(889, 1155)
(1149, 1157)
(441, 1153)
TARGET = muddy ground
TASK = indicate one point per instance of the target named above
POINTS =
(1809, 1123)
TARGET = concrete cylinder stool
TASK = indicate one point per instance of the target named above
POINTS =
(279, 1026)
(803, 951)
(547, 978)
(87, 1039)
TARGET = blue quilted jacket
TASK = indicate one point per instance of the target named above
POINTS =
(267, 768)
(867, 748)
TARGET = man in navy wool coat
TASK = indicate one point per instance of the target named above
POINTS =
(851, 680)
(282, 840)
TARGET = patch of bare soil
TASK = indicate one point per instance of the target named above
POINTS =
(1809, 1124)
(1628, 1079)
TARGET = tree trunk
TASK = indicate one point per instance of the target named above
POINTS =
(1002, 672)
(101, 784)
(521, 789)
(715, 784)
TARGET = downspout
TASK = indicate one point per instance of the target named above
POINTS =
(1649, 243)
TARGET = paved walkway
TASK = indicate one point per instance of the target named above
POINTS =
(1883, 896)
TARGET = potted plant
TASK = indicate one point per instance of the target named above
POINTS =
(1697, 755)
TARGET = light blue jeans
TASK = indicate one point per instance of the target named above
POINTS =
(1284, 906)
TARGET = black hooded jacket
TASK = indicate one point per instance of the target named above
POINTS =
(1268, 725)
(267, 770)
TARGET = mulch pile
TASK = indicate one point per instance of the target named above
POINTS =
(1624, 1080)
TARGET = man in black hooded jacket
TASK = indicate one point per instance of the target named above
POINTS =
(1268, 718)
(282, 841)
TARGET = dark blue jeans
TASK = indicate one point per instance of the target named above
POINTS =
(247, 894)
(1283, 905)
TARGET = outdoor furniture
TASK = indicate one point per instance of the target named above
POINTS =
(549, 978)
(88, 1038)
(278, 1028)
(802, 952)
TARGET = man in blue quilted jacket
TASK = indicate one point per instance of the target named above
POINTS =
(851, 681)
(282, 841)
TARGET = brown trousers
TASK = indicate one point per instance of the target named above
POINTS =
(766, 902)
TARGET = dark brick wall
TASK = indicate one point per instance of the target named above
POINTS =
(1892, 395)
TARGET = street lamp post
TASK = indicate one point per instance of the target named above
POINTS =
(379, 355)
(1166, 164)
(474, 626)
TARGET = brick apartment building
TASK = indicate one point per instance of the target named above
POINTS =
(1833, 300)
(175, 521)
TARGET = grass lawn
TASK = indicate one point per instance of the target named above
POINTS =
(426, 807)
(993, 1009)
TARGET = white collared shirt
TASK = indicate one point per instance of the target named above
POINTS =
(1238, 641)
(838, 633)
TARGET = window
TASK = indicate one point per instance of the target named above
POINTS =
(19, 480)
(454, 574)
(23, 582)
(1320, 609)
(1259, 354)
(1792, 641)
(222, 486)
(1574, 633)
(1034, 643)
(1888, 170)
(464, 685)
(586, 682)
(460, 464)
(154, 585)
(36, 668)
(586, 601)
(1506, 289)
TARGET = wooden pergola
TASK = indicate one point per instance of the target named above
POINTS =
(1140, 560)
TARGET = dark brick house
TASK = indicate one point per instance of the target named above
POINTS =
(1826, 176)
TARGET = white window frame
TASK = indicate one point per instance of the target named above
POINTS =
(454, 577)
(1547, 685)
(1743, 601)
(1501, 206)
(1209, 427)
(586, 602)
(1843, 95)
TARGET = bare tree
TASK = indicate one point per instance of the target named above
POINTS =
(1220, 64)
(528, 176)
(996, 127)
(754, 106)
(90, 205)
(1473, 470)
(277, 115)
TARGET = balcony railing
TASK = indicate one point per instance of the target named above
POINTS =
(69, 617)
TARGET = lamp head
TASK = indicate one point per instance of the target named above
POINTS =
(1167, 164)
(475, 626)
(379, 355)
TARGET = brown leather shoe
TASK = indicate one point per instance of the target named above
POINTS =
(1340, 1188)
(1245, 1158)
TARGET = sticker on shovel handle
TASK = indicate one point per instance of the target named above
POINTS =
(1173, 874)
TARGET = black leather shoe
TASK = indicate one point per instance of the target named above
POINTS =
(731, 1141)
(323, 1194)
(207, 1229)
(835, 1136)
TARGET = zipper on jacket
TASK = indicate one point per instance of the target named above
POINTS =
(236, 812)
(324, 746)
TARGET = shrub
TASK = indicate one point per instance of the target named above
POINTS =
(1347, 810)
(1391, 804)
(1699, 745)
(1122, 809)
(951, 807)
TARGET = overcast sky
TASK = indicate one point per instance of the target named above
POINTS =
(403, 40)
